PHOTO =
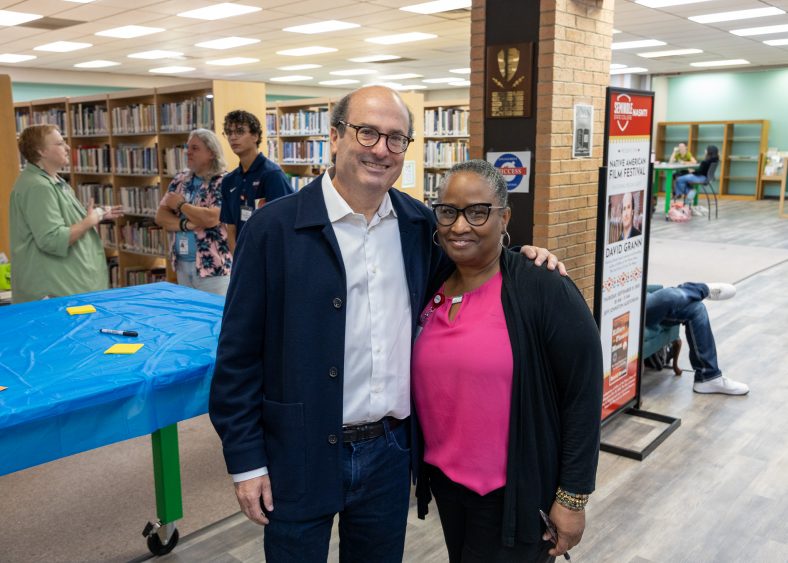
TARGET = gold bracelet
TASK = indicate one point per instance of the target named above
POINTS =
(572, 501)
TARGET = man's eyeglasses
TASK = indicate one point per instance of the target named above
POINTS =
(239, 132)
(369, 137)
(476, 214)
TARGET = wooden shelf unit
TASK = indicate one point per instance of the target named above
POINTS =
(446, 140)
(136, 134)
(741, 144)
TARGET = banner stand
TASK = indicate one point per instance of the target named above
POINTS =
(671, 425)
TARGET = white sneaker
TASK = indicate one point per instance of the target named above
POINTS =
(721, 385)
(721, 291)
(697, 212)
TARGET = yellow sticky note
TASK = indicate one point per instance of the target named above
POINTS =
(123, 349)
(3, 388)
(81, 310)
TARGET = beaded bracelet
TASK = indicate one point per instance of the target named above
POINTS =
(183, 224)
(178, 207)
(572, 501)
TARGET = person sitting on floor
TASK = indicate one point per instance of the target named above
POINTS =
(671, 306)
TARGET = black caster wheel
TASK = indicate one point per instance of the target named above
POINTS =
(155, 546)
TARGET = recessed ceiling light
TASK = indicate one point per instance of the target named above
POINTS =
(292, 78)
(437, 6)
(746, 32)
(339, 82)
(440, 80)
(305, 51)
(460, 83)
(616, 31)
(299, 67)
(9, 18)
(460, 70)
(637, 44)
(375, 59)
(12, 58)
(629, 70)
(673, 53)
(404, 76)
(130, 31)
(614, 66)
(353, 72)
(156, 54)
(227, 43)
(172, 69)
(219, 11)
(729, 62)
(737, 15)
(321, 27)
(232, 61)
(62, 46)
(410, 87)
(96, 64)
(666, 3)
(80, 1)
(401, 38)
(776, 42)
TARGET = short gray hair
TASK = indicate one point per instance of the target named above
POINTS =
(341, 108)
(484, 170)
(212, 143)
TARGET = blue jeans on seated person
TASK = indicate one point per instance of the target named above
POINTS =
(683, 184)
(672, 306)
(372, 524)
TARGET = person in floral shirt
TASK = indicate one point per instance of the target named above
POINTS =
(200, 251)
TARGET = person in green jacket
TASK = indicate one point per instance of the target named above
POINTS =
(55, 249)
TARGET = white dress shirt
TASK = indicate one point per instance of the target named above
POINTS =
(378, 314)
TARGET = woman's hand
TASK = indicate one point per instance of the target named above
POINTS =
(570, 525)
(112, 212)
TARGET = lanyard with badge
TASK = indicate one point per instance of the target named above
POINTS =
(247, 208)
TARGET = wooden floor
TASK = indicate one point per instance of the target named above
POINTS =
(717, 489)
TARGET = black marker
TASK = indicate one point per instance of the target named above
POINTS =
(118, 332)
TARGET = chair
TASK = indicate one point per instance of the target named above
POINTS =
(708, 188)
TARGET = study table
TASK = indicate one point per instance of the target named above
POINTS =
(64, 395)
(669, 169)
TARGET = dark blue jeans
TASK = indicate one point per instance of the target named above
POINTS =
(372, 524)
(671, 306)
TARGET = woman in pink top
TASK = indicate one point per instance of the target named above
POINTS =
(507, 384)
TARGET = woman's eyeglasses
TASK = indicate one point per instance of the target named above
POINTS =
(476, 214)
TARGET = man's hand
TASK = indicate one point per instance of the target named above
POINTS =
(171, 200)
(570, 525)
(249, 493)
(539, 255)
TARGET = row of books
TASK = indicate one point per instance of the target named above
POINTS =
(92, 159)
(270, 122)
(298, 182)
(134, 159)
(431, 182)
(140, 276)
(305, 152)
(186, 115)
(22, 120)
(304, 122)
(145, 237)
(273, 149)
(446, 121)
(112, 266)
(108, 233)
(441, 154)
(174, 159)
(89, 120)
(102, 194)
(136, 118)
(55, 116)
(140, 200)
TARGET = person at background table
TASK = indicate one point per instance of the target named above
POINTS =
(681, 154)
(628, 217)
(55, 249)
(200, 250)
(507, 385)
(257, 180)
(684, 182)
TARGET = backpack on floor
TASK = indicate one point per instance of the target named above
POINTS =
(679, 213)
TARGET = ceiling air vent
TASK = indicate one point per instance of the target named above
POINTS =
(50, 23)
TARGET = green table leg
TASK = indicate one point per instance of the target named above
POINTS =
(668, 189)
(167, 474)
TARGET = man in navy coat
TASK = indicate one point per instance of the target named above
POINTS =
(311, 393)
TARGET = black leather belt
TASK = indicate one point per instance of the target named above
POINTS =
(368, 430)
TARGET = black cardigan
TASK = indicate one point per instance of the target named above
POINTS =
(556, 396)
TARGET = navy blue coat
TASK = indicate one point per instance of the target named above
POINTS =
(276, 395)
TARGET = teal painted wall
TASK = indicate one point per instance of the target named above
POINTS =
(733, 95)
(26, 91)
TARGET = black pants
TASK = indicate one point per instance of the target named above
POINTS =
(472, 525)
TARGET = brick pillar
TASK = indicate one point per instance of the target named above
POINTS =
(572, 67)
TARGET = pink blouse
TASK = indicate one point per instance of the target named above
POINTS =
(462, 387)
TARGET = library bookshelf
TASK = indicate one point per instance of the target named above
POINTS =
(446, 140)
(126, 147)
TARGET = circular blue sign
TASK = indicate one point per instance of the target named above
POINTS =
(512, 169)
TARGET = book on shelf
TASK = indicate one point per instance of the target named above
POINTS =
(140, 200)
(22, 119)
(92, 159)
(445, 154)
(306, 152)
(89, 120)
(298, 182)
(108, 233)
(55, 116)
(442, 121)
(273, 149)
(101, 194)
(304, 122)
(135, 159)
(185, 115)
(140, 276)
(270, 123)
(114, 277)
(174, 160)
(144, 237)
(135, 118)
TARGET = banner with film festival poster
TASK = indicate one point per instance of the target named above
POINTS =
(623, 204)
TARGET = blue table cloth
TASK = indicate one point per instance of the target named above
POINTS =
(65, 396)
